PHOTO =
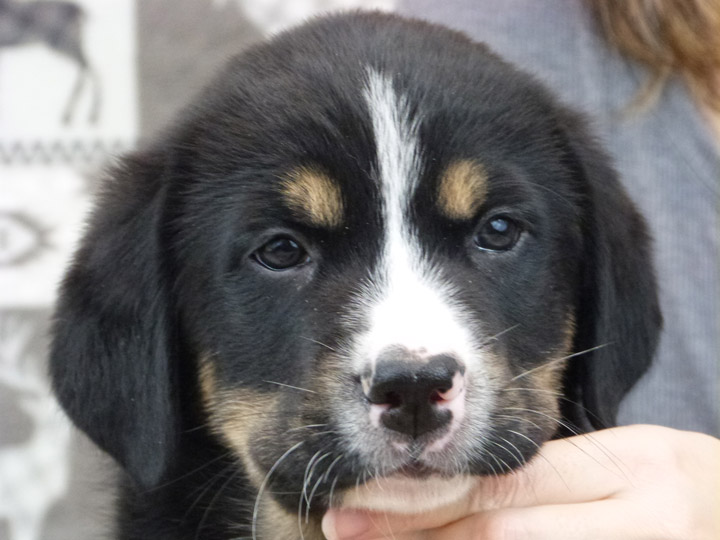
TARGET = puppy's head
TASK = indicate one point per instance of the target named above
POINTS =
(372, 250)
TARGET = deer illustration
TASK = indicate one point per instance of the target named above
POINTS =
(58, 25)
(33, 473)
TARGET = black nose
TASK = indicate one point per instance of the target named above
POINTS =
(413, 392)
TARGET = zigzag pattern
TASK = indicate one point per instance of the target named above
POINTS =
(65, 152)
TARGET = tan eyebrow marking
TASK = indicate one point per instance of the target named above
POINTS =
(462, 189)
(313, 196)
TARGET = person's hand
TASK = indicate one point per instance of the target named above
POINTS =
(628, 483)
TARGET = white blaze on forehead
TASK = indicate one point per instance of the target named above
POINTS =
(409, 305)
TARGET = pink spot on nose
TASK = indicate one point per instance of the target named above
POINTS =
(376, 411)
(444, 396)
(454, 401)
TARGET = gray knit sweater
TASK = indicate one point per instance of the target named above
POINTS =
(670, 164)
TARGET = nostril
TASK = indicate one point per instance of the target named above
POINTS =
(393, 399)
(452, 391)
(437, 395)
(388, 399)
(389, 395)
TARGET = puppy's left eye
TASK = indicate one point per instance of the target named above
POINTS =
(281, 253)
(499, 233)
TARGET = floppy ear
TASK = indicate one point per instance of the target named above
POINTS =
(618, 309)
(110, 357)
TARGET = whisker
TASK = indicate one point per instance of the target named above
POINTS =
(299, 517)
(264, 483)
(309, 473)
(306, 477)
(542, 390)
(314, 468)
(519, 461)
(203, 488)
(499, 460)
(306, 427)
(204, 425)
(567, 426)
(387, 525)
(314, 489)
(327, 472)
(553, 192)
(198, 469)
(319, 343)
(609, 455)
(513, 417)
(496, 336)
(543, 457)
(326, 432)
(557, 361)
(232, 477)
(299, 514)
(522, 462)
(559, 395)
(291, 386)
(496, 463)
(332, 490)
(380, 477)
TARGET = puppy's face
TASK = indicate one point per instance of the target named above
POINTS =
(384, 286)
(364, 259)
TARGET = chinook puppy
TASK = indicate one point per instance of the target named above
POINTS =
(371, 262)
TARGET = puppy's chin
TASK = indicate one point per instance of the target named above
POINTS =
(402, 494)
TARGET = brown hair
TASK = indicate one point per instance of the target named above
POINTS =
(670, 37)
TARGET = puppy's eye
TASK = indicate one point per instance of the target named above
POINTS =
(499, 233)
(281, 253)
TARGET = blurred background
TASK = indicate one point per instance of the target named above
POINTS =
(80, 82)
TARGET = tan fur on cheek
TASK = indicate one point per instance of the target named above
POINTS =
(533, 396)
(236, 415)
(314, 197)
(462, 190)
(549, 378)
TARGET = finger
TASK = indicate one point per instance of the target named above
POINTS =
(352, 525)
(346, 523)
(602, 520)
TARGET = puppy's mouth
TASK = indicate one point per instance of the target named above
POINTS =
(418, 470)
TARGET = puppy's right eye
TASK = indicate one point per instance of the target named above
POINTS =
(281, 253)
(499, 233)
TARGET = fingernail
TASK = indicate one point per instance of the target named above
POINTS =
(344, 525)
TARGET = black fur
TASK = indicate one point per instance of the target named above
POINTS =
(165, 275)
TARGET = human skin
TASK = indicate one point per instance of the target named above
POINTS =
(627, 483)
